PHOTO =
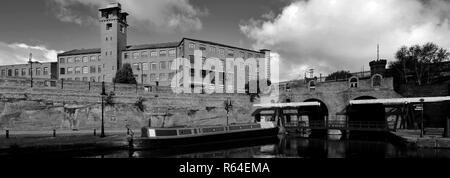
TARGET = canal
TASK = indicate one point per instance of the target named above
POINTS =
(364, 145)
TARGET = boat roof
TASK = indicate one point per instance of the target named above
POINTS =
(397, 101)
(286, 105)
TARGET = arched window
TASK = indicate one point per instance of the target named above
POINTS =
(312, 85)
(376, 80)
(353, 82)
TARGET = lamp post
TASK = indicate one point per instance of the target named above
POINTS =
(421, 120)
(103, 94)
(228, 107)
(31, 69)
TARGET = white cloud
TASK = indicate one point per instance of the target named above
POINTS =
(18, 53)
(162, 15)
(330, 35)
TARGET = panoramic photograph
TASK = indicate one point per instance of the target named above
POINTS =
(194, 79)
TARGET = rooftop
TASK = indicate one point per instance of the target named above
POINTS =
(150, 46)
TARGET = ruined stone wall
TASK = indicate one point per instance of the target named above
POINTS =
(24, 108)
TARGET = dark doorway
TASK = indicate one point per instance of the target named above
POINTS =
(367, 112)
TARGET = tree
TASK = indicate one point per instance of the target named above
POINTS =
(338, 75)
(125, 75)
(417, 61)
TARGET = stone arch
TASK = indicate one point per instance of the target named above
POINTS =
(376, 80)
(353, 82)
(317, 113)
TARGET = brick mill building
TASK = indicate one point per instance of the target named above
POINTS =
(150, 62)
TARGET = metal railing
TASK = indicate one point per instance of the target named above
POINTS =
(341, 124)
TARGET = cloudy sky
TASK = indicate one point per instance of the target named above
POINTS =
(326, 35)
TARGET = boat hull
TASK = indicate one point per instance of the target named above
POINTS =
(207, 140)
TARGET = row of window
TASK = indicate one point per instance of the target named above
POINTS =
(147, 54)
(376, 82)
(155, 77)
(83, 59)
(153, 66)
(23, 72)
(81, 70)
(86, 79)
(221, 51)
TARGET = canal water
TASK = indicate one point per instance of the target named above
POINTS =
(364, 145)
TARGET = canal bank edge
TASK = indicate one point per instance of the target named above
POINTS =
(412, 139)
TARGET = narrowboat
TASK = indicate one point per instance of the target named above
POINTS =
(160, 138)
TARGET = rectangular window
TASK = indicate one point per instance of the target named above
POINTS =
(10, 72)
(108, 26)
(169, 66)
(154, 54)
(172, 53)
(45, 70)
(145, 66)
(191, 45)
(70, 60)
(153, 77)
(77, 78)
(85, 70)
(144, 54)
(126, 56)
(213, 50)
(62, 71)
(144, 77)
(16, 72)
(92, 69)
(163, 65)
(77, 60)
(153, 66)
(162, 77)
(122, 29)
(85, 79)
(70, 70)
(99, 57)
(92, 79)
(3, 73)
(24, 72)
(93, 58)
(99, 69)
(38, 71)
(136, 66)
(135, 55)
(62, 60)
(78, 70)
(163, 53)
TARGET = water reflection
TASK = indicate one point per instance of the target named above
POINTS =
(298, 146)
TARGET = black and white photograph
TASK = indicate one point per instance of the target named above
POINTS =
(193, 80)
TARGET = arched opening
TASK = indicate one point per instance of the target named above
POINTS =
(365, 113)
(314, 113)
(312, 85)
(353, 82)
(376, 80)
